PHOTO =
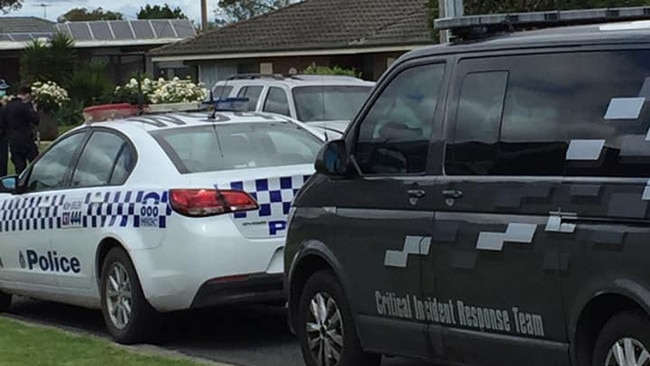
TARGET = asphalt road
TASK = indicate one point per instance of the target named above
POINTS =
(246, 336)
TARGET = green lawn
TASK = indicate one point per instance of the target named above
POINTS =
(23, 345)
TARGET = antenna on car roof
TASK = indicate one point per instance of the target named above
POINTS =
(322, 85)
(140, 94)
(481, 26)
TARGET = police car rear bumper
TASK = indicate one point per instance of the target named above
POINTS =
(255, 288)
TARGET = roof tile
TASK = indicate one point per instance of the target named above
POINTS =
(316, 24)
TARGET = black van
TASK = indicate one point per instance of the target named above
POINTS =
(489, 204)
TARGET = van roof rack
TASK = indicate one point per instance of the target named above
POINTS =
(321, 77)
(252, 76)
(481, 26)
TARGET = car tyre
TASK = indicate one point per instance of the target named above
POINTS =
(625, 335)
(5, 301)
(326, 326)
(128, 315)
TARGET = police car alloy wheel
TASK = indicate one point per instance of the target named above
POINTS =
(326, 327)
(128, 315)
(5, 301)
(624, 341)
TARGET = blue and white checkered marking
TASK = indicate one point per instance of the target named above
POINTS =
(118, 208)
(274, 195)
(20, 214)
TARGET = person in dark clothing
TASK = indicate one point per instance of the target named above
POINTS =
(4, 144)
(20, 119)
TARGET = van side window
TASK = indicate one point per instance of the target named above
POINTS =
(472, 147)
(394, 136)
(564, 114)
(252, 93)
(277, 102)
(586, 118)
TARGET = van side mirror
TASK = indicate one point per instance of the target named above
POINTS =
(8, 184)
(332, 159)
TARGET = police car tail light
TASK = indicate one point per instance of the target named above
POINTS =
(208, 202)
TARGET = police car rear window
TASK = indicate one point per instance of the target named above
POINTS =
(238, 146)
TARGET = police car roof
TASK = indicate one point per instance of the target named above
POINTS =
(149, 122)
(607, 33)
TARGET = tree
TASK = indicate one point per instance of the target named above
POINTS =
(231, 11)
(52, 61)
(161, 12)
(8, 5)
(84, 15)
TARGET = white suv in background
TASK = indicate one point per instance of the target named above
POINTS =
(328, 102)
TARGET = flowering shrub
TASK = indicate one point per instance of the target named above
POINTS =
(161, 91)
(49, 95)
(129, 92)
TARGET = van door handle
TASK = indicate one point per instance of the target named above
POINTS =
(452, 193)
(416, 193)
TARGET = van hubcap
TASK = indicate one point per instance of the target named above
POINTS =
(118, 296)
(628, 352)
(324, 330)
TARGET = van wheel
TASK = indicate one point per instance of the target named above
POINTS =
(623, 341)
(326, 326)
(5, 301)
(128, 316)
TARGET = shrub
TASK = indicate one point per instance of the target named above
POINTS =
(49, 95)
(326, 70)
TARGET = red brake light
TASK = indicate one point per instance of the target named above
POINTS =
(207, 202)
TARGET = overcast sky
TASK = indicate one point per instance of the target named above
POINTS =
(55, 8)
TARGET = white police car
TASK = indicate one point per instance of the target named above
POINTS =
(155, 213)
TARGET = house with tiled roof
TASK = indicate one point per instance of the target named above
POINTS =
(122, 44)
(363, 34)
(25, 25)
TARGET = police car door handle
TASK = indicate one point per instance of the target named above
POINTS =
(416, 193)
(452, 193)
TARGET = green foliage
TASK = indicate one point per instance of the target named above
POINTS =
(34, 62)
(62, 58)
(9, 5)
(70, 113)
(230, 11)
(161, 12)
(53, 61)
(85, 15)
(90, 84)
(326, 70)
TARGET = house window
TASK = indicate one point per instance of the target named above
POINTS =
(266, 68)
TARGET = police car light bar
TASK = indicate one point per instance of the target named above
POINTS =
(476, 25)
(232, 104)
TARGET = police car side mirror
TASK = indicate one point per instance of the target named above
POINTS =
(8, 184)
(332, 159)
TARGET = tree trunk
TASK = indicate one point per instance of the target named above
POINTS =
(48, 127)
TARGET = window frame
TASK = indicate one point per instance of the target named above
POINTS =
(286, 95)
(22, 186)
(244, 89)
(124, 138)
(435, 149)
(461, 72)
